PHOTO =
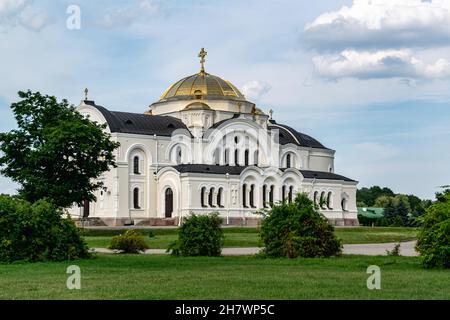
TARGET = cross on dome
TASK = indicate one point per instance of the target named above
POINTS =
(202, 56)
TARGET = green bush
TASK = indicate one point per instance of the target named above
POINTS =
(37, 232)
(433, 241)
(298, 230)
(129, 242)
(199, 235)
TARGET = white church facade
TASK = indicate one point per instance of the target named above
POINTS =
(204, 148)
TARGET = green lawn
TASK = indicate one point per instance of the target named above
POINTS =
(248, 237)
(166, 277)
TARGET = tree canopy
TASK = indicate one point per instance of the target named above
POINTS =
(55, 152)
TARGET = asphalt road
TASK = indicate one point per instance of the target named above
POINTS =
(372, 249)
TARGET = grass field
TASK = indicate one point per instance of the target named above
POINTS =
(248, 237)
(166, 277)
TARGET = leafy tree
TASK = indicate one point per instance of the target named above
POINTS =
(37, 232)
(381, 201)
(434, 238)
(369, 195)
(297, 229)
(389, 210)
(55, 152)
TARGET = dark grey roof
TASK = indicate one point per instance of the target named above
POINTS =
(212, 169)
(237, 170)
(322, 175)
(287, 134)
(137, 123)
(217, 124)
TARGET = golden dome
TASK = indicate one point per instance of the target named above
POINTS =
(202, 85)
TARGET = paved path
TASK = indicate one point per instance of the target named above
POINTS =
(373, 249)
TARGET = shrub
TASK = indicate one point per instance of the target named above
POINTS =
(37, 232)
(298, 230)
(395, 252)
(433, 241)
(129, 242)
(199, 235)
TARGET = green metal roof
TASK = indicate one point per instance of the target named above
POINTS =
(371, 212)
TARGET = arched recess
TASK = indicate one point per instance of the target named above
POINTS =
(168, 178)
(137, 161)
(250, 135)
(143, 152)
(169, 203)
(344, 201)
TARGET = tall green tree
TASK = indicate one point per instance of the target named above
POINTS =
(55, 152)
(389, 210)
(370, 195)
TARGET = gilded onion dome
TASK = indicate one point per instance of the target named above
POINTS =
(202, 85)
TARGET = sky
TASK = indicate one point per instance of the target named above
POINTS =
(367, 78)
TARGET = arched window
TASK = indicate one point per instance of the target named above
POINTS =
(271, 194)
(288, 161)
(211, 198)
(178, 155)
(202, 197)
(217, 157)
(283, 193)
(264, 196)
(220, 198)
(252, 196)
(323, 201)
(246, 157)
(344, 204)
(136, 198)
(256, 160)
(136, 165)
(316, 194)
(329, 201)
(227, 156)
(244, 196)
(291, 194)
(236, 157)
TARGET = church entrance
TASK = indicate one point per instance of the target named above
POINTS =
(169, 203)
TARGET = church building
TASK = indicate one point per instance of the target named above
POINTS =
(203, 147)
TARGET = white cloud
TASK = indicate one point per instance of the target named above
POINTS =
(126, 16)
(21, 12)
(382, 24)
(379, 64)
(254, 90)
(382, 39)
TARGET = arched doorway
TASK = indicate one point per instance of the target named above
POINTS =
(169, 203)
(86, 209)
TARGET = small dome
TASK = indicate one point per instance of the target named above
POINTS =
(197, 106)
(202, 85)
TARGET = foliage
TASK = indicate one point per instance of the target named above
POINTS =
(55, 152)
(394, 252)
(407, 207)
(129, 242)
(199, 235)
(37, 232)
(434, 237)
(369, 195)
(298, 230)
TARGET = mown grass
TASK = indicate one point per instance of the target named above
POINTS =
(248, 237)
(167, 277)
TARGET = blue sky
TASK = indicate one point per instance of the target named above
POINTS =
(367, 78)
